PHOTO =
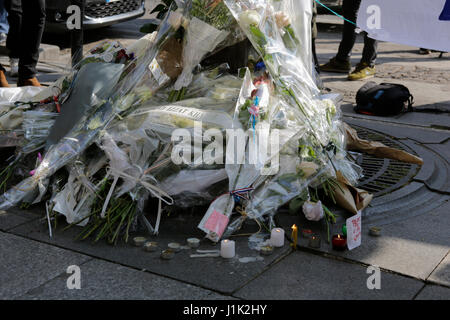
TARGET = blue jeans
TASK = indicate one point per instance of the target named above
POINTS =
(4, 26)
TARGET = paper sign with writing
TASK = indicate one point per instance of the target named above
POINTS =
(354, 231)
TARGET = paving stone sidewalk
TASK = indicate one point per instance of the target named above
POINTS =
(413, 251)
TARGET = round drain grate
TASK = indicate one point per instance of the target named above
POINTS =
(382, 176)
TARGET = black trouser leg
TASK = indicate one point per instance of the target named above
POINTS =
(33, 24)
(27, 21)
(314, 33)
(350, 10)
(316, 61)
(369, 54)
(13, 42)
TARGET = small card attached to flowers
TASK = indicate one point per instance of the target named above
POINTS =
(354, 231)
(217, 217)
(217, 223)
(158, 73)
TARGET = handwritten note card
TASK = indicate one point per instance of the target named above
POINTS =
(354, 231)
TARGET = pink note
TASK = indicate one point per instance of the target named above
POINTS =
(354, 231)
(217, 222)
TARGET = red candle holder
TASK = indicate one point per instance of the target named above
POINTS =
(307, 233)
(339, 242)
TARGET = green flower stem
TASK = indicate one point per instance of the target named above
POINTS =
(328, 216)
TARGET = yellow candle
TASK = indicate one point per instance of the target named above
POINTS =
(294, 236)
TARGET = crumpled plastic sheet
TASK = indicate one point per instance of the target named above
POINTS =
(200, 39)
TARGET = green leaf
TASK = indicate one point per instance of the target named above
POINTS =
(296, 204)
(260, 38)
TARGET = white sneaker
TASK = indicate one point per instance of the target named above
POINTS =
(14, 67)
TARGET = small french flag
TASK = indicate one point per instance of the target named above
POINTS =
(445, 15)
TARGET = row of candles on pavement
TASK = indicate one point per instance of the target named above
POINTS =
(228, 249)
(339, 242)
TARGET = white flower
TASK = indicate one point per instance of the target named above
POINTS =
(308, 168)
(313, 210)
(282, 19)
(250, 17)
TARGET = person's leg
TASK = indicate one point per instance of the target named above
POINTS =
(14, 8)
(369, 54)
(3, 82)
(314, 36)
(32, 30)
(341, 62)
(4, 26)
(366, 67)
(3, 29)
(350, 11)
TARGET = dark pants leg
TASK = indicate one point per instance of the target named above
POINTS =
(369, 54)
(350, 11)
(14, 9)
(314, 33)
(27, 20)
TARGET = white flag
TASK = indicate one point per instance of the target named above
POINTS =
(419, 23)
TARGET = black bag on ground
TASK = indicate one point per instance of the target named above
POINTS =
(385, 99)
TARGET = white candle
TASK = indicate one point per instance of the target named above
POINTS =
(227, 249)
(174, 246)
(193, 242)
(277, 237)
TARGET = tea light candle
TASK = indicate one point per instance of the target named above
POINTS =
(339, 242)
(193, 242)
(277, 237)
(375, 231)
(266, 250)
(150, 246)
(227, 249)
(174, 246)
(139, 241)
(167, 254)
(314, 241)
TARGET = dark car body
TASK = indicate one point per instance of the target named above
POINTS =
(332, 4)
(98, 13)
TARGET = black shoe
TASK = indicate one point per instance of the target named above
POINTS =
(335, 65)
(424, 51)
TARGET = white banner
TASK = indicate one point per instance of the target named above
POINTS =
(418, 23)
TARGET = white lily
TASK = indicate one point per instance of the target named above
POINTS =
(250, 17)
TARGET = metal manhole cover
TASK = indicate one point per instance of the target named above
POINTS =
(382, 176)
